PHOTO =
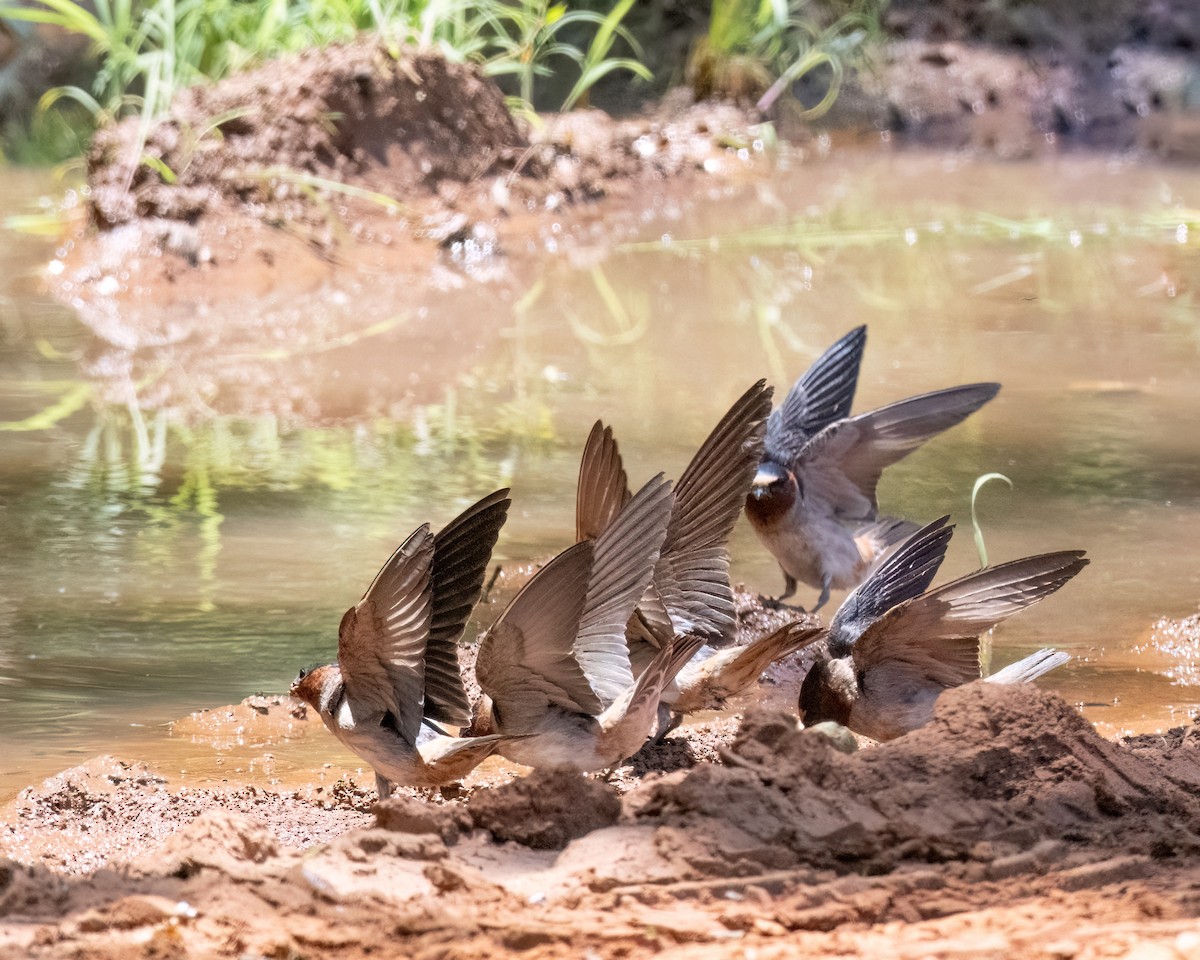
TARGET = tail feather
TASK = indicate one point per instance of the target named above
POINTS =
(631, 720)
(705, 686)
(452, 758)
(1031, 667)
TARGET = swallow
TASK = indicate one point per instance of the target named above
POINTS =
(895, 644)
(554, 668)
(690, 591)
(397, 664)
(813, 502)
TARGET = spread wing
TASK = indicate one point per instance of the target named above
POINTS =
(625, 555)
(938, 633)
(905, 572)
(692, 574)
(822, 396)
(603, 487)
(462, 551)
(382, 638)
(840, 467)
(526, 663)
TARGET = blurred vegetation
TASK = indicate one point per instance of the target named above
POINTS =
(843, 228)
(756, 49)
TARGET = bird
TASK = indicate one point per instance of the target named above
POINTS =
(812, 502)
(690, 592)
(554, 668)
(895, 644)
(397, 663)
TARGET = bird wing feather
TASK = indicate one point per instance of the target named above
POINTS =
(692, 574)
(462, 551)
(603, 488)
(905, 572)
(939, 631)
(839, 468)
(526, 660)
(382, 638)
(822, 396)
(625, 555)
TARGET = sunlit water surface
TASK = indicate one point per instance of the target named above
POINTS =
(135, 589)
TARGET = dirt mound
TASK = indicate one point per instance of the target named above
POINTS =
(1005, 828)
(999, 771)
(357, 115)
(546, 809)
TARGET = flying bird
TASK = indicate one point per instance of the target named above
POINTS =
(895, 645)
(813, 502)
(397, 664)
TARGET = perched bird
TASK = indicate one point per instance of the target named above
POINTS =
(554, 667)
(397, 662)
(813, 502)
(893, 647)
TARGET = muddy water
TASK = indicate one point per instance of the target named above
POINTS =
(151, 568)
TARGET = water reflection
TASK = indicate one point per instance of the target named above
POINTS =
(184, 525)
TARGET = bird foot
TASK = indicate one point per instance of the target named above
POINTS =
(778, 603)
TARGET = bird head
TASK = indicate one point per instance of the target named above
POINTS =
(483, 718)
(828, 692)
(318, 687)
(773, 491)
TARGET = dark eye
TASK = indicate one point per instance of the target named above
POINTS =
(301, 675)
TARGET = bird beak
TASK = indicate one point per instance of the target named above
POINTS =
(762, 483)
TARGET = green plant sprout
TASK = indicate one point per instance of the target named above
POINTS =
(980, 483)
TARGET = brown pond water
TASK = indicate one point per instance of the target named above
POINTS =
(149, 569)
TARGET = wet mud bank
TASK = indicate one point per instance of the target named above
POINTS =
(1007, 827)
(352, 175)
(221, 247)
(1007, 823)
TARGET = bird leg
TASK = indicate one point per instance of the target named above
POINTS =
(826, 583)
(382, 786)
(668, 720)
